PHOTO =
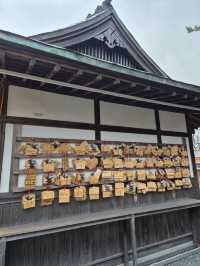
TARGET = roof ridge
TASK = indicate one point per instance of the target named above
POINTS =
(107, 9)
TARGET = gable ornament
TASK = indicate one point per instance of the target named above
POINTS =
(111, 38)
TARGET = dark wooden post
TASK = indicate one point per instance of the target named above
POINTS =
(133, 240)
(125, 243)
(97, 119)
(2, 252)
(3, 113)
(157, 119)
(190, 132)
(195, 223)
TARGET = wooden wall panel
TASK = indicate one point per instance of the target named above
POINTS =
(11, 213)
(72, 248)
(160, 227)
(84, 247)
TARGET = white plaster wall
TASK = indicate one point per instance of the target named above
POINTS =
(172, 140)
(172, 121)
(53, 132)
(124, 115)
(23, 102)
(129, 137)
(7, 158)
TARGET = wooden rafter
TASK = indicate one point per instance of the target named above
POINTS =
(30, 67)
(95, 80)
(93, 90)
(166, 96)
(111, 84)
(52, 73)
(192, 100)
(129, 86)
(141, 91)
(75, 75)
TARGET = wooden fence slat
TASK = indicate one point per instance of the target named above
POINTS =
(2, 251)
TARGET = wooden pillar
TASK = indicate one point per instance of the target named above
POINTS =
(190, 132)
(125, 243)
(133, 240)
(2, 252)
(3, 114)
(97, 119)
(157, 119)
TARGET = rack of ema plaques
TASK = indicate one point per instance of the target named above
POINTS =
(67, 170)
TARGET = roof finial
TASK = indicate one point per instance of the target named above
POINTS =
(100, 8)
(106, 3)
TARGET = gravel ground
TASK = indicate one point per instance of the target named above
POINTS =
(193, 260)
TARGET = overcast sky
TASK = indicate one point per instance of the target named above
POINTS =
(158, 25)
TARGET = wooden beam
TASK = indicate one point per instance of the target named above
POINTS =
(166, 96)
(2, 252)
(148, 88)
(49, 123)
(182, 99)
(94, 90)
(88, 84)
(31, 65)
(28, 56)
(66, 57)
(135, 90)
(113, 83)
(105, 260)
(142, 91)
(78, 73)
(33, 228)
(155, 92)
(92, 82)
(194, 100)
(165, 241)
(107, 86)
(127, 129)
(52, 73)
(75, 75)
(185, 99)
(133, 240)
(128, 87)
